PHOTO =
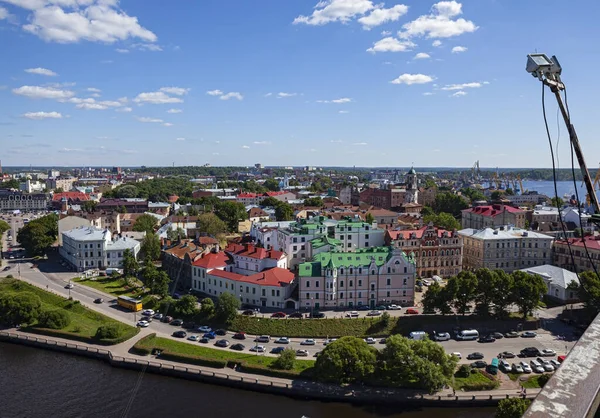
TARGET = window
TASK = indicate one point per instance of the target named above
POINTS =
(272, 292)
(278, 292)
(342, 295)
(388, 293)
(405, 270)
(247, 289)
(302, 239)
(341, 283)
(350, 270)
(389, 270)
(359, 283)
(359, 294)
(404, 282)
(295, 240)
(349, 245)
(389, 281)
(317, 283)
(351, 284)
(295, 248)
(372, 286)
(366, 244)
(366, 236)
(341, 237)
(307, 284)
(264, 292)
(254, 290)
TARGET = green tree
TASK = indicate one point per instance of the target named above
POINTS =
(231, 213)
(187, 306)
(271, 185)
(89, 206)
(442, 220)
(450, 203)
(496, 195)
(211, 224)
(284, 212)
(207, 308)
(346, 360)
(427, 211)
(130, 264)
(503, 295)
(512, 408)
(473, 194)
(313, 201)
(431, 298)
(10, 184)
(3, 227)
(38, 235)
(270, 202)
(160, 285)
(174, 235)
(588, 290)
(127, 191)
(227, 307)
(509, 192)
(557, 202)
(192, 211)
(151, 246)
(369, 218)
(286, 360)
(464, 289)
(385, 320)
(487, 283)
(23, 308)
(108, 332)
(145, 223)
(54, 319)
(527, 291)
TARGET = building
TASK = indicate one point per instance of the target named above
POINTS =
(26, 202)
(436, 252)
(30, 186)
(64, 200)
(528, 198)
(349, 195)
(70, 222)
(491, 216)
(369, 276)
(248, 258)
(558, 280)
(126, 205)
(412, 187)
(426, 197)
(507, 248)
(384, 216)
(383, 198)
(178, 257)
(94, 248)
(562, 255)
(257, 215)
(213, 192)
(352, 233)
(64, 183)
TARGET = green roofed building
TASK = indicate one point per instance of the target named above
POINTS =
(367, 276)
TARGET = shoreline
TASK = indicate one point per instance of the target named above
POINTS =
(297, 389)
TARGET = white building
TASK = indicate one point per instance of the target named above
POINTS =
(558, 280)
(94, 248)
(506, 248)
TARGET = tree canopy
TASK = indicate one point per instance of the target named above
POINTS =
(346, 360)
(38, 235)
(211, 224)
(313, 201)
(231, 213)
(130, 264)
(449, 203)
(512, 408)
(227, 307)
(442, 220)
(145, 223)
(151, 246)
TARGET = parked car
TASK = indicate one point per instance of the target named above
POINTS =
(166, 319)
(411, 311)
(204, 340)
(505, 366)
(526, 367)
(158, 316)
(441, 336)
(329, 341)
(194, 338)
(383, 341)
(204, 328)
(277, 350)
(189, 325)
(479, 364)
(297, 315)
(381, 307)
(516, 368)
(497, 335)
(248, 312)
(176, 322)
(263, 339)
(278, 315)
(536, 367)
(475, 356)
(148, 312)
(221, 332)
(370, 340)
(363, 308)
(352, 314)
(317, 315)
(506, 354)
(555, 363)
(487, 339)
(511, 334)
(222, 343)
(258, 348)
(180, 334)
(308, 341)
(302, 353)
(548, 352)
(546, 364)
(238, 347)
(530, 352)
(239, 336)
(394, 308)
(210, 335)
(457, 355)
(374, 313)
(99, 300)
(6, 268)
(528, 334)
(143, 323)
(282, 340)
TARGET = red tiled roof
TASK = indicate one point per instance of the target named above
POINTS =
(272, 277)
(247, 195)
(251, 251)
(591, 242)
(212, 260)
(493, 210)
(382, 212)
(272, 194)
(70, 196)
(257, 212)
(207, 241)
(405, 234)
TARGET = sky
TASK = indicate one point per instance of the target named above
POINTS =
(297, 82)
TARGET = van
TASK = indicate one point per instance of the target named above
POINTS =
(112, 270)
(493, 367)
(417, 335)
(467, 335)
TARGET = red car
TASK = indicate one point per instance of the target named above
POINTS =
(278, 315)
(240, 336)
(411, 311)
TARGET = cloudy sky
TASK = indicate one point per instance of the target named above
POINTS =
(335, 82)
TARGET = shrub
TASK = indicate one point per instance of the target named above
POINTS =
(190, 359)
(285, 361)
(543, 379)
(266, 371)
(385, 320)
(463, 371)
(54, 319)
(108, 332)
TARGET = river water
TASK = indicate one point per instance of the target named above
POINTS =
(39, 383)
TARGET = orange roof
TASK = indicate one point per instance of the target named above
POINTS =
(257, 212)
(70, 196)
(248, 195)
(272, 277)
(382, 212)
(249, 250)
(405, 234)
(213, 261)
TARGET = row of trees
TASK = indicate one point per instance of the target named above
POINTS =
(223, 312)
(491, 292)
(402, 363)
(26, 308)
(37, 236)
(283, 211)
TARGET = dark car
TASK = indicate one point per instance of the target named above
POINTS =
(530, 352)
(317, 315)
(475, 356)
(381, 307)
(176, 322)
(363, 308)
(497, 335)
(204, 340)
(238, 347)
(511, 334)
(99, 300)
(506, 354)
(277, 350)
(480, 364)
(6, 268)
(278, 315)
(248, 312)
(239, 336)
(222, 343)
(210, 335)
(166, 319)
(221, 331)
(296, 315)
(180, 334)
(487, 339)
(189, 325)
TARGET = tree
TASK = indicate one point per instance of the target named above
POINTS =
(509, 191)
(487, 282)
(89, 206)
(160, 286)
(286, 360)
(431, 297)
(496, 195)
(427, 211)
(23, 308)
(449, 203)
(442, 220)
(384, 320)
(473, 194)
(502, 296)
(176, 234)
(122, 209)
(464, 289)
(54, 319)
(211, 224)
(4, 227)
(192, 211)
(557, 202)
(10, 184)
(108, 332)
(512, 408)
(588, 290)
(130, 264)
(231, 213)
(145, 223)
(227, 307)
(38, 235)
(151, 246)
(527, 290)
(270, 202)
(271, 185)
(369, 218)
(284, 212)
(207, 307)
(313, 201)
(187, 306)
(346, 360)
(127, 191)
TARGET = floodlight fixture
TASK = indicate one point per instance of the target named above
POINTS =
(540, 66)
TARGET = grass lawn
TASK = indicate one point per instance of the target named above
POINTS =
(475, 381)
(152, 341)
(533, 382)
(84, 321)
(114, 286)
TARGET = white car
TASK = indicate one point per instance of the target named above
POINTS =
(258, 348)
(308, 341)
(516, 368)
(193, 338)
(537, 368)
(548, 367)
(204, 329)
(302, 353)
(555, 363)
(147, 312)
(370, 340)
(441, 336)
(525, 367)
(329, 341)
(143, 323)
(353, 314)
(69, 286)
(457, 355)
(548, 352)
(374, 313)
(282, 340)
(393, 308)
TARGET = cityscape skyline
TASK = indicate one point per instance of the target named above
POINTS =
(313, 83)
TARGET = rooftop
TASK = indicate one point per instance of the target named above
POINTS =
(272, 277)
(506, 232)
(249, 250)
(554, 275)
(493, 210)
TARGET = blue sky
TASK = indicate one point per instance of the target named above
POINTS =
(302, 82)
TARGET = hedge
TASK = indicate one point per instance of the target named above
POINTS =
(71, 336)
(197, 360)
(266, 371)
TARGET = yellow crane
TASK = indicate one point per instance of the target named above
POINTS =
(521, 184)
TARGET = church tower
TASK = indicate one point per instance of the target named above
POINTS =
(412, 186)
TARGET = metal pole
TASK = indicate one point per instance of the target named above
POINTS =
(577, 148)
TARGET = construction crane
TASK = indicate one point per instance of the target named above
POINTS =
(521, 184)
(496, 180)
(476, 172)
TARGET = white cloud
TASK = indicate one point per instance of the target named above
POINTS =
(380, 16)
(42, 115)
(124, 109)
(167, 124)
(474, 85)
(245, 147)
(344, 111)
(232, 95)
(70, 150)
(436, 43)
(93, 90)
(91, 106)
(422, 56)
(391, 44)
(38, 92)
(70, 21)
(282, 95)
(336, 11)
(458, 49)
(96, 95)
(360, 143)
(4, 13)
(459, 93)
(122, 51)
(41, 71)
(147, 47)
(336, 141)
(412, 79)
(268, 95)
(145, 119)
(341, 100)
(439, 23)
(156, 97)
(174, 110)
(179, 139)
(386, 33)
(261, 143)
(216, 92)
(177, 91)
(428, 93)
